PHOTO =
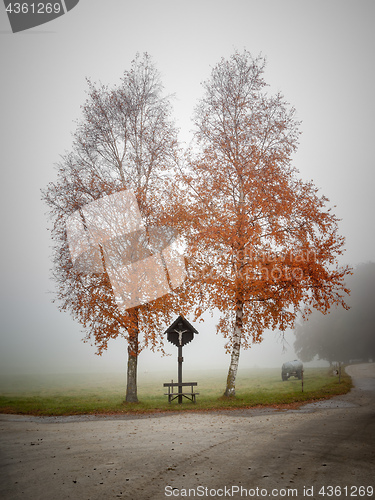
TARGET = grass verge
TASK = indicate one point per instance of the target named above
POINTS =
(253, 389)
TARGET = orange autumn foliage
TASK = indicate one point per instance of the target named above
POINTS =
(261, 243)
(125, 140)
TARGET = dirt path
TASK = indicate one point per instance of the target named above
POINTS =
(271, 453)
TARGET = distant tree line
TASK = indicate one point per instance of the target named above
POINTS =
(343, 335)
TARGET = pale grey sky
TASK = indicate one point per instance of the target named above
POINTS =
(320, 55)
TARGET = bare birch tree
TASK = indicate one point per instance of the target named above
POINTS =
(125, 140)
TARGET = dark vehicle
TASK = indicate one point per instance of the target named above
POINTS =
(292, 368)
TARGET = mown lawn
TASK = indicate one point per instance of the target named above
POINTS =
(91, 394)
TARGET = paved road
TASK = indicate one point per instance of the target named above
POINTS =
(320, 451)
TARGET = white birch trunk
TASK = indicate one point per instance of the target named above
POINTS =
(230, 390)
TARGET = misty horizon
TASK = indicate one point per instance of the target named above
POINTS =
(319, 57)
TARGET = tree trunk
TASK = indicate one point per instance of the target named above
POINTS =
(131, 386)
(230, 390)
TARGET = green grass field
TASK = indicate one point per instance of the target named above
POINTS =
(94, 394)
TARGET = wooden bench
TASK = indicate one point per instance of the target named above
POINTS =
(173, 395)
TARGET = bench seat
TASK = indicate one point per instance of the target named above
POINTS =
(173, 395)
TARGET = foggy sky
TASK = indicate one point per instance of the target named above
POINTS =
(320, 56)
